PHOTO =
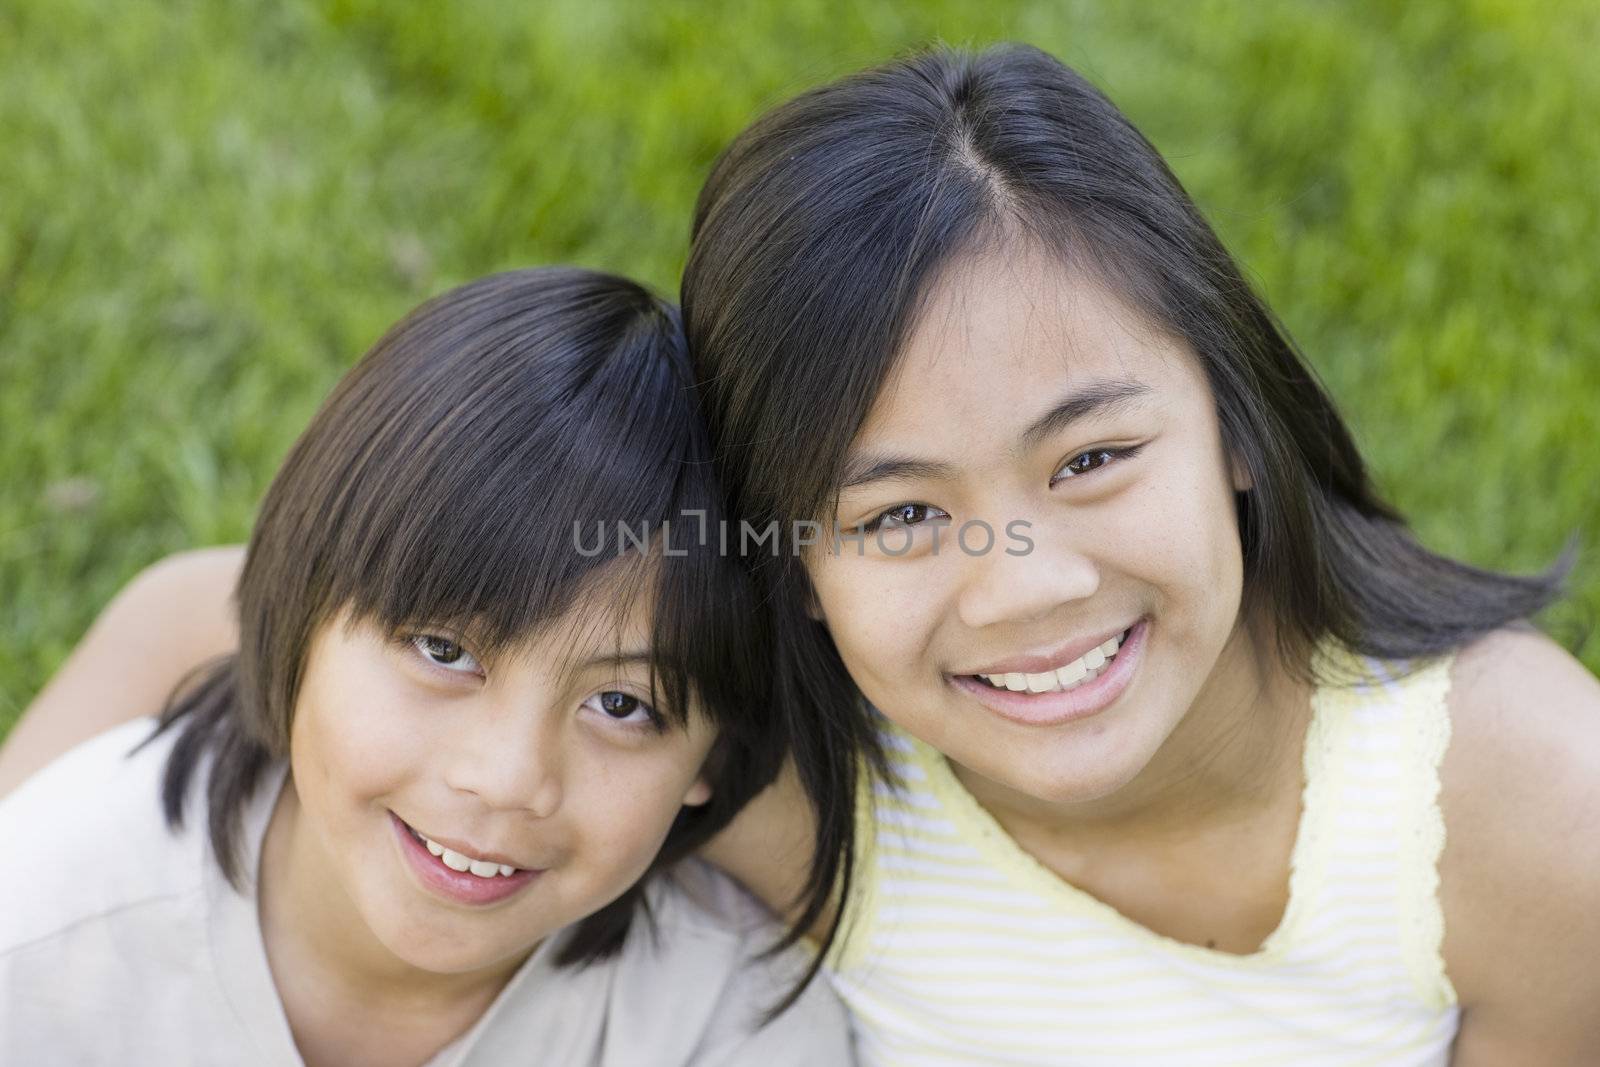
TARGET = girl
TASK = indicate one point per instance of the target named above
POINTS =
(1204, 760)
(411, 820)
(1169, 774)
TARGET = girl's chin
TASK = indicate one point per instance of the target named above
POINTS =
(1067, 790)
(1067, 769)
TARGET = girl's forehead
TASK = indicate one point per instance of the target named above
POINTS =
(1004, 330)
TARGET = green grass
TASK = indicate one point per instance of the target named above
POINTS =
(208, 210)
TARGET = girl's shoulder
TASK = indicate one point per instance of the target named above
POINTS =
(1520, 795)
(1524, 754)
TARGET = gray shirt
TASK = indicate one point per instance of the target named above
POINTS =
(121, 942)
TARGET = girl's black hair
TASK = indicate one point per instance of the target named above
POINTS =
(822, 229)
(459, 475)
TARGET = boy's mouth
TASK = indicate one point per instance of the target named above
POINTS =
(458, 876)
(461, 862)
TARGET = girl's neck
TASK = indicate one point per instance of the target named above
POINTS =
(1238, 746)
(347, 997)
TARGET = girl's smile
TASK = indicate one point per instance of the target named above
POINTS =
(1083, 686)
(1027, 391)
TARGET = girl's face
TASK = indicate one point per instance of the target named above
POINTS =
(412, 758)
(1029, 394)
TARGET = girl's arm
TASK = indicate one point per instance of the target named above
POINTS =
(768, 846)
(172, 617)
(1520, 874)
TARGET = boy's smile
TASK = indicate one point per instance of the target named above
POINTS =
(421, 773)
(465, 876)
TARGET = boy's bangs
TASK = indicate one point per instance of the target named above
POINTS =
(520, 482)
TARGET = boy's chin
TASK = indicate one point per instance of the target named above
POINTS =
(462, 945)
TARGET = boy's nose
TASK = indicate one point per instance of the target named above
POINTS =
(509, 769)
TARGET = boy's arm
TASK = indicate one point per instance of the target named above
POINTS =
(172, 617)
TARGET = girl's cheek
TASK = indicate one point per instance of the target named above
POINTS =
(879, 612)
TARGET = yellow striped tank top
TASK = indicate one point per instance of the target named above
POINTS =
(965, 950)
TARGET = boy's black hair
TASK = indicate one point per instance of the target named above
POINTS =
(447, 480)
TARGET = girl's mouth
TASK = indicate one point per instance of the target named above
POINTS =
(1060, 694)
(1065, 678)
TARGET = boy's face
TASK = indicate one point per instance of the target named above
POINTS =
(411, 758)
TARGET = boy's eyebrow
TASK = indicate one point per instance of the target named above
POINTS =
(616, 659)
(1101, 395)
(1105, 394)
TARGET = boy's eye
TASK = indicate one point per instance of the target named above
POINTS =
(445, 653)
(904, 515)
(624, 708)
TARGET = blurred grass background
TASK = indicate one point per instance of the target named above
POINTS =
(209, 209)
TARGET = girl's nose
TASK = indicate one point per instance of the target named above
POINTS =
(999, 588)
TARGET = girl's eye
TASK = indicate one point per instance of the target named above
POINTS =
(1092, 460)
(624, 708)
(904, 515)
(445, 653)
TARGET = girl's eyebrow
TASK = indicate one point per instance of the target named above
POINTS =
(859, 470)
(1098, 396)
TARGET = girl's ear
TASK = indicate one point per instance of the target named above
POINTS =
(1242, 482)
(813, 607)
(698, 793)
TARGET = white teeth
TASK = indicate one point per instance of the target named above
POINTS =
(457, 862)
(1083, 669)
(1072, 673)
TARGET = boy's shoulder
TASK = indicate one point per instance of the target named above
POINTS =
(697, 919)
(1520, 794)
(711, 935)
(86, 838)
(697, 895)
